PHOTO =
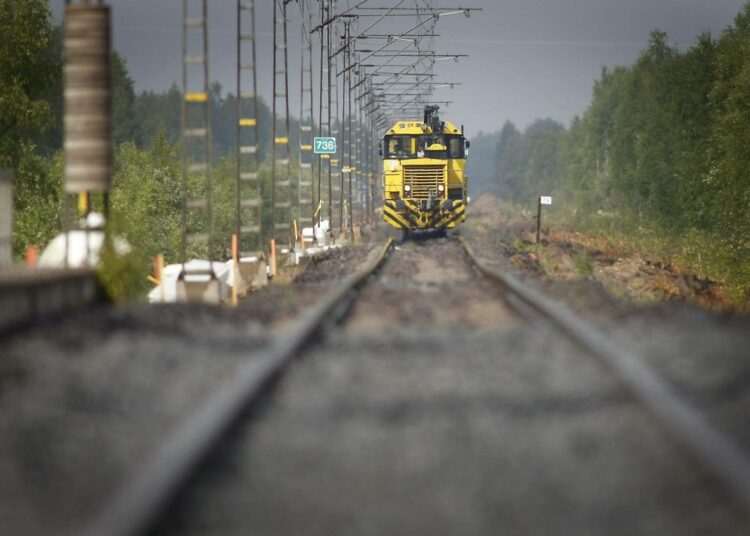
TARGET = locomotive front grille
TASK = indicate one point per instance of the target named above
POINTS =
(424, 180)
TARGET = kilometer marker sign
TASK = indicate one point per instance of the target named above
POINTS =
(543, 200)
(324, 145)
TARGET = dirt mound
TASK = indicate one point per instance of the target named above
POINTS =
(488, 204)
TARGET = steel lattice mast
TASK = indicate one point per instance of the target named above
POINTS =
(248, 190)
(305, 190)
(197, 219)
(280, 157)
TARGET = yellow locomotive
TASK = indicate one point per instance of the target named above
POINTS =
(424, 186)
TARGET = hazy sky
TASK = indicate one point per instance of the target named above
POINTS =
(528, 58)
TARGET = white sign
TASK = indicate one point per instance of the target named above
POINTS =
(545, 200)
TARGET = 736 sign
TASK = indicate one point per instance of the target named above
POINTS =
(325, 145)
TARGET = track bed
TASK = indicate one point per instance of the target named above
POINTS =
(435, 408)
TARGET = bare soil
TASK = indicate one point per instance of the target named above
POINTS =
(566, 254)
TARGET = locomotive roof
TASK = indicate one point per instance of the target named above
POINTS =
(415, 128)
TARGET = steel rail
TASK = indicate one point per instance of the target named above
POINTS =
(136, 506)
(717, 453)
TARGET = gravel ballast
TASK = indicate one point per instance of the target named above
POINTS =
(86, 398)
(423, 417)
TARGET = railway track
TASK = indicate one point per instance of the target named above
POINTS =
(413, 296)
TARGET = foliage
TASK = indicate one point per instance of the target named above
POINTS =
(662, 147)
(26, 70)
(154, 112)
(124, 121)
(158, 114)
(146, 195)
(145, 198)
(480, 167)
(584, 263)
(38, 202)
(121, 276)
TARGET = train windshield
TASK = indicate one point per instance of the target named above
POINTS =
(456, 146)
(400, 147)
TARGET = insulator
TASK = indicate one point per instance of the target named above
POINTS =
(88, 99)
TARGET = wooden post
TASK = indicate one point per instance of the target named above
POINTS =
(543, 200)
(235, 268)
(273, 257)
(6, 217)
(538, 220)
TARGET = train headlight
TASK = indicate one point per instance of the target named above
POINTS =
(407, 190)
(441, 190)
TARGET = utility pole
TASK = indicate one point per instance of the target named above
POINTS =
(88, 109)
(305, 190)
(345, 145)
(197, 220)
(280, 158)
(392, 79)
(249, 225)
(323, 129)
(350, 136)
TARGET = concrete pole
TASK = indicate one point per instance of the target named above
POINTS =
(6, 218)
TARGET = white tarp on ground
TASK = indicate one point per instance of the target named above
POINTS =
(318, 233)
(321, 231)
(223, 271)
(83, 247)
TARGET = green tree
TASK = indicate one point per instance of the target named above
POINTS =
(543, 157)
(480, 166)
(26, 70)
(145, 198)
(508, 163)
(158, 113)
(124, 125)
(37, 200)
(728, 180)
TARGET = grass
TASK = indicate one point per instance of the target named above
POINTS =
(584, 263)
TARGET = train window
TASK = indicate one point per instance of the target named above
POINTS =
(424, 142)
(456, 147)
(399, 147)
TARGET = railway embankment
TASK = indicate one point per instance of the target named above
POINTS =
(85, 395)
(624, 269)
(684, 327)
(439, 407)
(436, 404)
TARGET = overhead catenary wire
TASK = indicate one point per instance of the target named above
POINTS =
(368, 91)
